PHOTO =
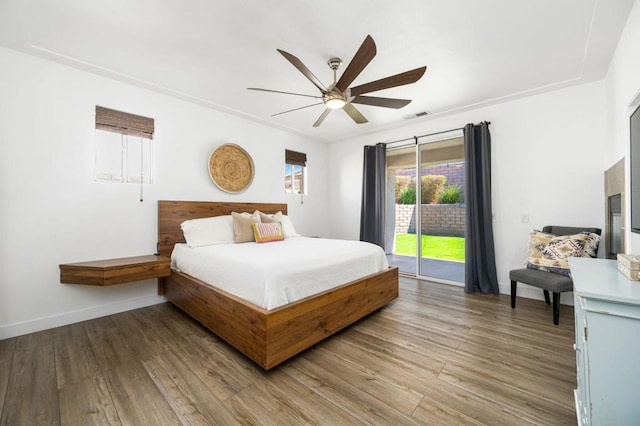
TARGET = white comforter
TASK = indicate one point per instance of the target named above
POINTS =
(274, 274)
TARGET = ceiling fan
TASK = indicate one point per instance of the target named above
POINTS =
(338, 95)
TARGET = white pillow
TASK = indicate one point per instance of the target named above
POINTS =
(288, 228)
(208, 231)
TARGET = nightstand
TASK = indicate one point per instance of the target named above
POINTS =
(115, 271)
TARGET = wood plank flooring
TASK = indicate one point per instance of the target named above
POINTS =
(434, 356)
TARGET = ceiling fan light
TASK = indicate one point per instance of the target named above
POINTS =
(334, 103)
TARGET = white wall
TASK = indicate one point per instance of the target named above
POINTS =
(52, 211)
(622, 96)
(547, 162)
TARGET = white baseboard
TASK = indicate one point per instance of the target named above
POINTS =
(524, 290)
(45, 323)
(530, 292)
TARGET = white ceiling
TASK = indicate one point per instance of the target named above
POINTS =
(210, 51)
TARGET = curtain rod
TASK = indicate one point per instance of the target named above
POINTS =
(415, 138)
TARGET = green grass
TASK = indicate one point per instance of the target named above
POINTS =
(448, 248)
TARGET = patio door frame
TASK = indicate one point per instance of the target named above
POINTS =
(418, 143)
(433, 139)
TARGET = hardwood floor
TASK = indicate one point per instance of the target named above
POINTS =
(434, 356)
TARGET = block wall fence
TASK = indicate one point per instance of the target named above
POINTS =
(437, 219)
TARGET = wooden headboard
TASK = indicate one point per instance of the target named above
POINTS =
(172, 213)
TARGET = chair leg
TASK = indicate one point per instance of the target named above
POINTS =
(546, 296)
(514, 286)
(556, 308)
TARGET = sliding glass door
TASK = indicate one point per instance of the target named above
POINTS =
(426, 181)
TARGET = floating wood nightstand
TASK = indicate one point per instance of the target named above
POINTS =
(115, 271)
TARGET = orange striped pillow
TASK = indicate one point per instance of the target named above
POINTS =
(267, 232)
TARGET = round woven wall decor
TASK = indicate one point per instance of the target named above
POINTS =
(231, 168)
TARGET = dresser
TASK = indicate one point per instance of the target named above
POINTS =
(607, 311)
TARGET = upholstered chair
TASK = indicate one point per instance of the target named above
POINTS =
(548, 281)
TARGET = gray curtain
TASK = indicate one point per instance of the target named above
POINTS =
(480, 259)
(372, 217)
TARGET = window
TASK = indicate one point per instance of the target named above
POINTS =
(295, 166)
(123, 149)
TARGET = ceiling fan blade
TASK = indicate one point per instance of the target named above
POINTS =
(401, 79)
(381, 102)
(296, 109)
(354, 114)
(303, 69)
(322, 117)
(285, 93)
(361, 59)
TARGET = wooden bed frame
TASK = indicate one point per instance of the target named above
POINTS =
(268, 337)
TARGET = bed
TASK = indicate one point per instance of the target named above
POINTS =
(268, 337)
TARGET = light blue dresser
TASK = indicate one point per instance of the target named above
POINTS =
(607, 311)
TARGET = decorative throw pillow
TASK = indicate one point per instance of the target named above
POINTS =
(270, 218)
(591, 246)
(267, 232)
(242, 230)
(287, 227)
(554, 255)
(537, 242)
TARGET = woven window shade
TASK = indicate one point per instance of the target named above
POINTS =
(295, 158)
(124, 123)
